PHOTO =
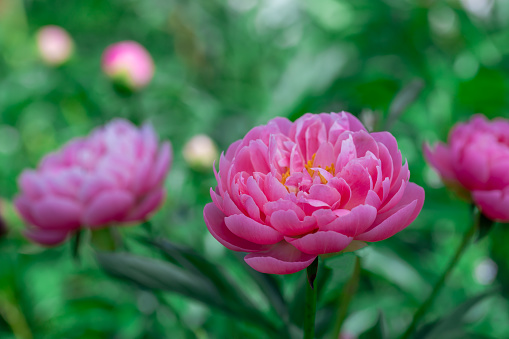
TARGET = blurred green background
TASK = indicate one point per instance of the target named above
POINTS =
(222, 67)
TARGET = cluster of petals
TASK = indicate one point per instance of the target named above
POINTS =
(115, 175)
(288, 192)
(476, 161)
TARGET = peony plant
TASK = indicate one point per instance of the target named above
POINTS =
(291, 191)
(114, 175)
(475, 163)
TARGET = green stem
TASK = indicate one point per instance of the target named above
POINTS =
(105, 239)
(346, 296)
(459, 251)
(310, 311)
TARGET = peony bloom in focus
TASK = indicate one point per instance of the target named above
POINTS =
(54, 44)
(114, 175)
(289, 192)
(129, 64)
(475, 161)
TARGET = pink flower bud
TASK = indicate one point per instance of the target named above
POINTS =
(128, 63)
(200, 152)
(54, 44)
(475, 162)
(114, 175)
(289, 192)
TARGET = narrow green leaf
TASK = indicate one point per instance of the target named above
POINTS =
(452, 324)
(199, 265)
(377, 331)
(157, 274)
(269, 286)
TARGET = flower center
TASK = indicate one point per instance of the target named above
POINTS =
(313, 173)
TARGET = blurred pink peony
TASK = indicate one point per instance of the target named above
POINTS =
(288, 192)
(128, 63)
(115, 175)
(54, 44)
(475, 162)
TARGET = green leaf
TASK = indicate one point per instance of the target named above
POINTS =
(156, 274)
(200, 266)
(485, 226)
(268, 284)
(377, 331)
(451, 325)
(342, 267)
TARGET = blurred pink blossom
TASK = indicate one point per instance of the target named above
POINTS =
(54, 44)
(475, 162)
(128, 63)
(289, 192)
(114, 175)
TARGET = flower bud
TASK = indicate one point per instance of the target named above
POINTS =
(128, 64)
(54, 44)
(200, 152)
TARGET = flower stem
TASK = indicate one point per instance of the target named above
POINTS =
(310, 311)
(346, 296)
(438, 285)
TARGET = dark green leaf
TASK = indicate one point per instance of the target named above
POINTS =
(485, 226)
(377, 331)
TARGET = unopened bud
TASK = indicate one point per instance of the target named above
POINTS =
(200, 152)
(54, 44)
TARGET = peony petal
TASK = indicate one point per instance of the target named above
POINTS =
(356, 221)
(321, 242)
(281, 258)
(146, 206)
(24, 207)
(357, 177)
(254, 190)
(56, 213)
(289, 224)
(161, 165)
(324, 155)
(493, 204)
(364, 143)
(246, 228)
(46, 237)
(440, 160)
(403, 214)
(32, 184)
(107, 207)
(388, 140)
(214, 219)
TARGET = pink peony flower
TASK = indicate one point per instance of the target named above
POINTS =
(115, 175)
(289, 192)
(129, 63)
(476, 162)
(54, 44)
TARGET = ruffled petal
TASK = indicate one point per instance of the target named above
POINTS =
(281, 258)
(214, 219)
